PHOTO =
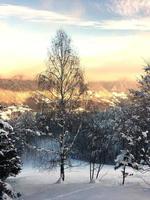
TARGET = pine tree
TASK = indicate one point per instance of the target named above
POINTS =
(10, 164)
(141, 116)
(132, 124)
(9, 161)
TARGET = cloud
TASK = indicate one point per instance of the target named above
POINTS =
(8, 10)
(49, 17)
(44, 16)
(36, 15)
(130, 7)
(72, 8)
(141, 24)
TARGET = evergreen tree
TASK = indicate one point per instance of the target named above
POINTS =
(141, 116)
(132, 124)
(10, 164)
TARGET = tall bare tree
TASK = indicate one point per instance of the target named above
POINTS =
(64, 81)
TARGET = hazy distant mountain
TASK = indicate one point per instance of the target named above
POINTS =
(113, 86)
(107, 86)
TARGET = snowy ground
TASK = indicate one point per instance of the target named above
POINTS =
(35, 185)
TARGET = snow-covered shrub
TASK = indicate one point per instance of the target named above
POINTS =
(7, 192)
(96, 140)
(124, 159)
(34, 142)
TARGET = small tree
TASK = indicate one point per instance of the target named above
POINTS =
(64, 84)
(124, 159)
(99, 132)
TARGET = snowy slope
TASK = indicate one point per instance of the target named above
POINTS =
(36, 185)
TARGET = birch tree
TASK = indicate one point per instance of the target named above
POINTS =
(63, 81)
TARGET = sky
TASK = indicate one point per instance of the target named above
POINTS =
(112, 37)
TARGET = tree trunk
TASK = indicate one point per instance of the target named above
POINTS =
(123, 175)
(90, 171)
(62, 168)
(93, 170)
(98, 171)
(62, 155)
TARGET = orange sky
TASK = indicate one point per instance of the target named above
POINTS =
(102, 58)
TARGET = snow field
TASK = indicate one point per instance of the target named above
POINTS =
(35, 185)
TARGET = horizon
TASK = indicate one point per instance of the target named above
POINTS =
(111, 36)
